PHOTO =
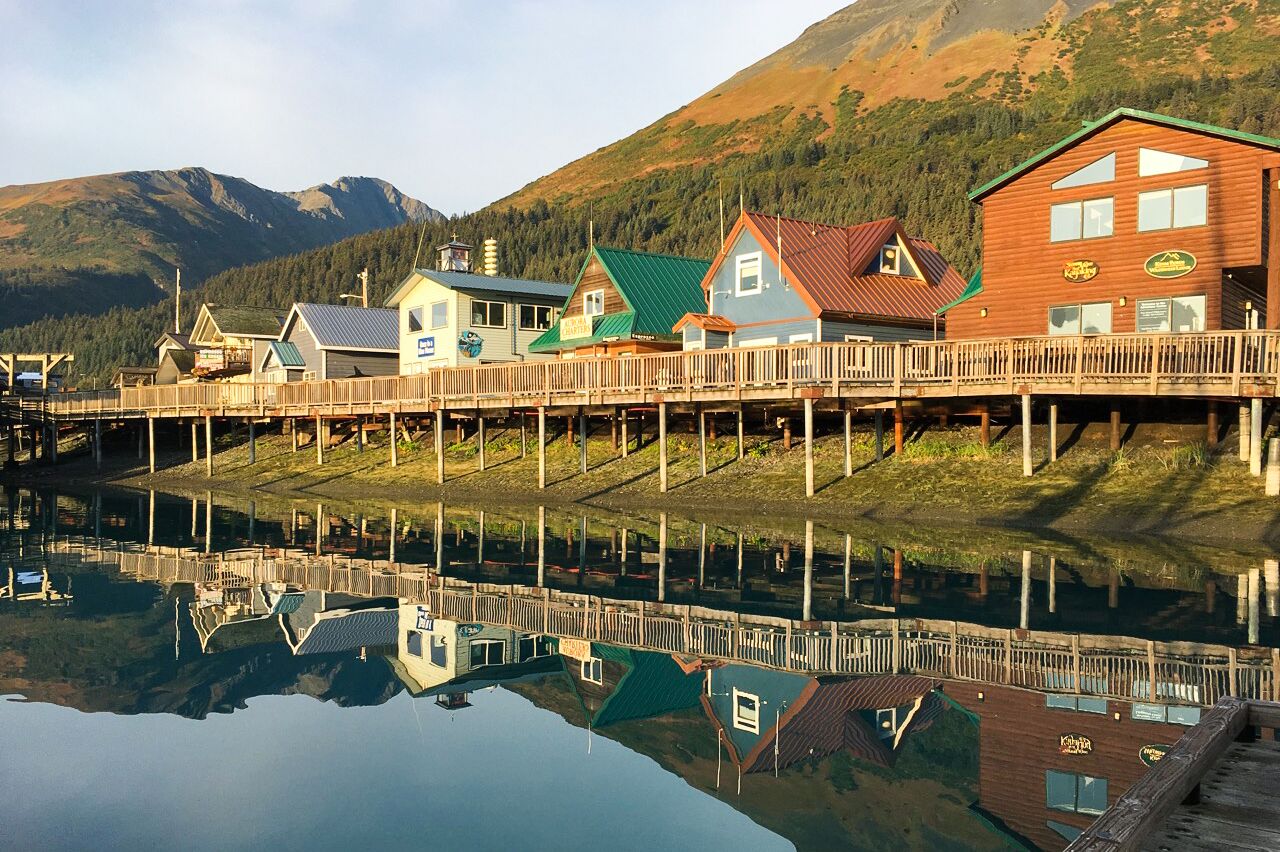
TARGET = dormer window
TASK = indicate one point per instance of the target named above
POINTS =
(748, 274)
(891, 259)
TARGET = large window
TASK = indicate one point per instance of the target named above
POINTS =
(1076, 702)
(1077, 220)
(536, 317)
(439, 314)
(1099, 171)
(748, 274)
(531, 647)
(487, 652)
(1152, 162)
(415, 319)
(439, 652)
(746, 711)
(593, 303)
(1089, 318)
(488, 314)
(413, 643)
(1179, 313)
(1080, 794)
(1184, 207)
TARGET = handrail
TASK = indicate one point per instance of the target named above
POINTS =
(1197, 364)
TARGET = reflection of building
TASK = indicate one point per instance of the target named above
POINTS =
(774, 719)
(1049, 763)
(618, 684)
(435, 656)
(324, 623)
(216, 607)
(27, 585)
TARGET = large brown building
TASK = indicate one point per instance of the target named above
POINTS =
(1137, 223)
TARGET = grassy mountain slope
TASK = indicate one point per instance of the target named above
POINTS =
(866, 154)
(86, 244)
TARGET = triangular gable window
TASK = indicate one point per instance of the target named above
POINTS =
(1152, 162)
(893, 259)
(1099, 171)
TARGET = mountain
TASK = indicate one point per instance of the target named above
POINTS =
(95, 242)
(886, 108)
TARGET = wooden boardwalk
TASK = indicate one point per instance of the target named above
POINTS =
(1214, 790)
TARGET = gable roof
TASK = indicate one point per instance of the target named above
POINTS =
(827, 264)
(183, 360)
(243, 320)
(182, 340)
(344, 630)
(652, 685)
(348, 327)
(658, 290)
(1091, 128)
(483, 283)
(285, 353)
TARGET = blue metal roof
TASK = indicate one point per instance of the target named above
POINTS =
(348, 631)
(349, 327)
(485, 284)
(286, 354)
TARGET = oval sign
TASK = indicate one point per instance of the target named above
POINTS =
(1077, 271)
(1170, 264)
(1074, 744)
(1149, 754)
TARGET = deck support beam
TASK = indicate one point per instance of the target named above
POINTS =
(359, 434)
(1024, 608)
(702, 440)
(879, 418)
(1244, 431)
(662, 450)
(898, 429)
(542, 455)
(253, 442)
(662, 551)
(320, 441)
(1211, 424)
(626, 439)
(195, 441)
(542, 545)
(97, 443)
(438, 433)
(208, 446)
(1273, 474)
(1027, 468)
(141, 440)
(1053, 431)
(395, 440)
(808, 447)
(1115, 426)
(582, 440)
(984, 427)
(848, 443)
(480, 442)
(1255, 436)
(807, 608)
(742, 429)
(151, 452)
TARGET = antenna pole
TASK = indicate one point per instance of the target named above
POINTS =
(177, 303)
(591, 228)
(781, 274)
(418, 252)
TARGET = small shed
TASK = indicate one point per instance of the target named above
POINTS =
(333, 342)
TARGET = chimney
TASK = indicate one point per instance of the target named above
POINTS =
(490, 257)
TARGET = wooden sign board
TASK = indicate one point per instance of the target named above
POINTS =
(578, 649)
(1079, 271)
(1074, 744)
(1170, 264)
(576, 326)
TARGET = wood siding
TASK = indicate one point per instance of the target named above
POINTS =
(595, 278)
(1022, 268)
(344, 365)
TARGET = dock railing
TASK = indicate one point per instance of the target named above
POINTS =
(1200, 364)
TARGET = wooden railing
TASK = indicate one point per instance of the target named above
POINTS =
(1209, 363)
(1106, 666)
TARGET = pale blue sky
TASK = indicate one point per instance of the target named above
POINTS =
(456, 103)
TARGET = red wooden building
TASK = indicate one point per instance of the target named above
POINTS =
(1136, 223)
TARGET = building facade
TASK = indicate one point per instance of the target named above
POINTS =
(779, 281)
(1136, 223)
(451, 317)
(625, 303)
(321, 342)
(229, 341)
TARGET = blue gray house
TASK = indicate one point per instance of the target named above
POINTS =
(780, 280)
(333, 342)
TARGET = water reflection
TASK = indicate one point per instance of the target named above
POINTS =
(831, 687)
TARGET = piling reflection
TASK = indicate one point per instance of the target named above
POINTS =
(835, 688)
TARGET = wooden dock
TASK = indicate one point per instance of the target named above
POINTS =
(1214, 790)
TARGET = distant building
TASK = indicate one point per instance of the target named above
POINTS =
(231, 340)
(131, 377)
(625, 303)
(175, 358)
(332, 342)
(452, 316)
(834, 283)
(1137, 222)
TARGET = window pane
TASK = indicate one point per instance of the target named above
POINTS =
(415, 319)
(414, 643)
(1059, 790)
(1098, 217)
(1190, 206)
(439, 314)
(1064, 319)
(1064, 222)
(1188, 313)
(498, 314)
(1155, 210)
(749, 275)
(1153, 315)
(439, 651)
(1092, 795)
(1095, 318)
(1092, 705)
(477, 654)
(1184, 715)
(1060, 702)
(1152, 162)
(479, 316)
(1099, 171)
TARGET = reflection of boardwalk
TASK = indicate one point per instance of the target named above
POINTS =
(1115, 667)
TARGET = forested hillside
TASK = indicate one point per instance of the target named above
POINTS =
(915, 158)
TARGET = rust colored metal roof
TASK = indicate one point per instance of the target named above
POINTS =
(828, 264)
(708, 322)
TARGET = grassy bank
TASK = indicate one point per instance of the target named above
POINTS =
(1155, 485)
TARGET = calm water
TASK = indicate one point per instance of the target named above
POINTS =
(184, 675)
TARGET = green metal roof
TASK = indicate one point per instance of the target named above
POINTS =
(973, 288)
(658, 288)
(1140, 115)
(652, 686)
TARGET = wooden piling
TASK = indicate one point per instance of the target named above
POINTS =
(1027, 468)
(807, 609)
(1255, 436)
(582, 440)
(359, 434)
(320, 440)
(253, 442)
(742, 448)
(208, 446)
(613, 429)
(1211, 424)
(662, 448)
(1053, 431)
(702, 441)
(898, 429)
(808, 447)
(395, 439)
(1273, 468)
(151, 449)
(879, 418)
(848, 443)
(984, 428)
(626, 439)
(1115, 426)
(480, 442)
(97, 443)
(294, 433)
(662, 545)
(438, 433)
(786, 433)
(542, 447)
(1244, 431)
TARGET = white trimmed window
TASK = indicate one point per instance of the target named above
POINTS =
(1152, 162)
(593, 670)
(488, 314)
(1099, 171)
(439, 314)
(593, 303)
(1077, 220)
(487, 652)
(536, 317)
(891, 259)
(746, 711)
(415, 319)
(1183, 207)
(747, 275)
(1089, 318)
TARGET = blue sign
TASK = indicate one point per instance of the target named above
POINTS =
(426, 347)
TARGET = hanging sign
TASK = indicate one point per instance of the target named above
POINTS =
(1149, 754)
(1079, 271)
(1170, 264)
(577, 649)
(576, 326)
(1074, 744)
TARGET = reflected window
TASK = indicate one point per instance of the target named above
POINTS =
(1152, 162)
(1089, 318)
(593, 670)
(413, 643)
(488, 314)
(1099, 171)
(532, 647)
(891, 259)
(1081, 794)
(746, 711)
(439, 651)
(1179, 314)
(487, 652)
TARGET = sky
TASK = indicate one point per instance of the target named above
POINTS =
(456, 103)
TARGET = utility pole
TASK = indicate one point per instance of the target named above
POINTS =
(364, 287)
(177, 303)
